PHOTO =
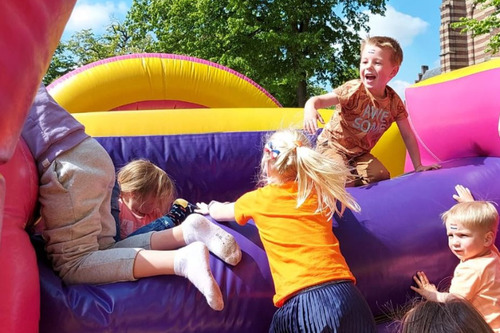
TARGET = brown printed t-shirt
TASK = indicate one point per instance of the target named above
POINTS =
(360, 119)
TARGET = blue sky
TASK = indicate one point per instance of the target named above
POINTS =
(415, 24)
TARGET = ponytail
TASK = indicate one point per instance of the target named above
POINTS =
(290, 155)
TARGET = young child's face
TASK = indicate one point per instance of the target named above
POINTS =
(376, 69)
(466, 243)
(150, 206)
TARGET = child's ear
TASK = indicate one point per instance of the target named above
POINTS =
(489, 238)
(394, 71)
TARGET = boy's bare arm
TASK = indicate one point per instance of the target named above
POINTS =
(412, 146)
(311, 114)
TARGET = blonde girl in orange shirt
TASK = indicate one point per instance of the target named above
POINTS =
(293, 210)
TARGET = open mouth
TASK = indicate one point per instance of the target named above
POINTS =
(370, 77)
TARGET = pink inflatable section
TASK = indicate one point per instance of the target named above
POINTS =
(456, 115)
(29, 34)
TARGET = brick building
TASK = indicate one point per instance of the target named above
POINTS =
(460, 49)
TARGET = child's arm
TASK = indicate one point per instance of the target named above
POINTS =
(311, 114)
(412, 146)
(428, 290)
(219, 211)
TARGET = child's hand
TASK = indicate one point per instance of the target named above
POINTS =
(202, 208)
(463, 194)
(421, 168)
(311, 118)
(424, 287)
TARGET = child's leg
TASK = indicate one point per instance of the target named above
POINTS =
(161, 223)
(198, 228)
(169, 239)
(331, 152)
(221, 243)
(190, 262)
(180, 209)
(370, 169)
(129, 264)
(75, 197)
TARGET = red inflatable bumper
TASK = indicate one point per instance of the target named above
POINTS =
(19, 282)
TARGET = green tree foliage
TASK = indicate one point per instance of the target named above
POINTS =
(484, 26)
(287, 46)
(85, 47)
(62, 63)
(290, 47)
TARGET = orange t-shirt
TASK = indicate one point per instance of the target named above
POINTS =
(478, 281)
(360, 119)
(300, 245)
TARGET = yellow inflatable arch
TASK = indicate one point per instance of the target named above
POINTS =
(115, 82)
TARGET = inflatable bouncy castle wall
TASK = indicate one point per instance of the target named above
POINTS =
(456, 115)
(212, 150)
(215, 152)
(29, 34)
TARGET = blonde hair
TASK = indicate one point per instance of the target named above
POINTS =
(473, 214)
(289, 154)
(385, 43)
(144, 180)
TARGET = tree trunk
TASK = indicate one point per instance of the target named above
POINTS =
(302, 94)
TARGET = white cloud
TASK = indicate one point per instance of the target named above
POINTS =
(399, 86)
(95, 16)
(403, 27)
(436, 63)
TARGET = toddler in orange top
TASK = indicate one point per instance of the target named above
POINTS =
(471, 227)
(365, 109)
(314, 287)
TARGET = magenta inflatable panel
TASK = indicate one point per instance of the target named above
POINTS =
(457, 118)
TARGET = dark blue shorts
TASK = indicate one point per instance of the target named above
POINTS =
(329, 307)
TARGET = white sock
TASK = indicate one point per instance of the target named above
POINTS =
(191, 262)
(221, 243)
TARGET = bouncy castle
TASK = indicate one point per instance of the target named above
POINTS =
(203, 124)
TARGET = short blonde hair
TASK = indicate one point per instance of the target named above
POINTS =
(385, 43)
(144, 180)
(474, 214)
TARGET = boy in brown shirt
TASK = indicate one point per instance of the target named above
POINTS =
(366, 108)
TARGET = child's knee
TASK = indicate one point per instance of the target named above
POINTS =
(376, 176)
(371, 170)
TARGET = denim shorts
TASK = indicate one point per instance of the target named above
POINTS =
(162, 223)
